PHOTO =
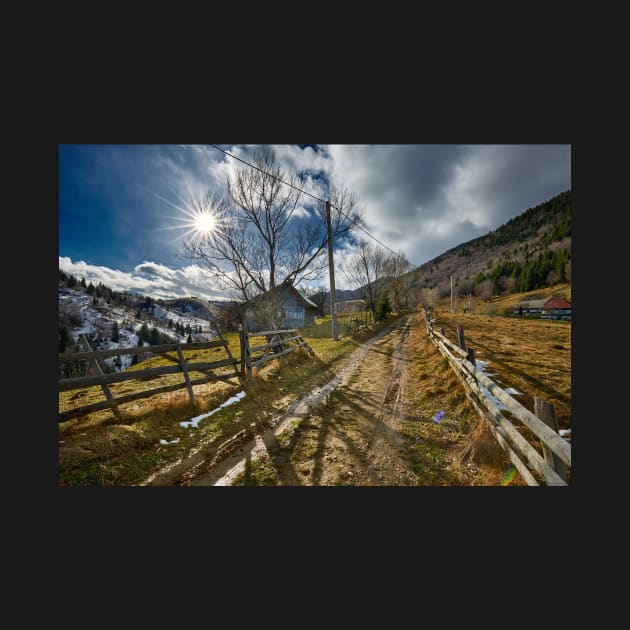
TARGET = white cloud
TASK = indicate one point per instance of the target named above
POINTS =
(150, 278)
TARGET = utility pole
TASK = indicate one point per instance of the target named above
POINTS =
(452, 306)
(331, 274)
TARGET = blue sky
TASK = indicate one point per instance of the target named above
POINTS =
(121, 218)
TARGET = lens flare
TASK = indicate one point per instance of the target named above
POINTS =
(508, 476)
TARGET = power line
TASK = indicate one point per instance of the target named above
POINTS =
(265, 173)
(358, 225)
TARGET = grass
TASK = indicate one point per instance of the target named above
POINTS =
(100, 449)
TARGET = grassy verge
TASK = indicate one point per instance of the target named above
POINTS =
(100, 449)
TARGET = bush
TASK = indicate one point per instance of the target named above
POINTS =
(383, 309)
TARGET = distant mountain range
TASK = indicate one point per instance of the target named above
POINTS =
(543, 230)
(526, 253)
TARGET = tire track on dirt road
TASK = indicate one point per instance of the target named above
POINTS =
(303, 445)
(282, 445)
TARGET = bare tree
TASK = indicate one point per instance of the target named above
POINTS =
(553, 277)
(464, 287)
(365, 270)
(259, 242)
(508, 284)
(485, 290)
(396, 268)
(429, 296)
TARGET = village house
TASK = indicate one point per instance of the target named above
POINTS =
(546, 308)
(556, 308)
(529, 307)
(284, 307)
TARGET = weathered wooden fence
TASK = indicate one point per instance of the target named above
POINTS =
(279, 343)
(548, 468)
(182, 365)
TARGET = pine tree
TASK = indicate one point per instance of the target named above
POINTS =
(154, 340)
(144, 332)
(65, 339)
(189, 340)
(115, 332)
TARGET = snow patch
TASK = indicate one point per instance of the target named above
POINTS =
(194, 422)
(171, 442)
(513, 392)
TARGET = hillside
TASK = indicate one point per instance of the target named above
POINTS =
(539, 236)
(112, 320)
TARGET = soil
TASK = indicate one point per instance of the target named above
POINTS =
(347, 432)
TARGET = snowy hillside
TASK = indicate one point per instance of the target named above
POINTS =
(83, 314)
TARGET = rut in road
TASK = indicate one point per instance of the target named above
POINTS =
(345, 433)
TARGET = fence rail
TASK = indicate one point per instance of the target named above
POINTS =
(182, 365)
(278, 344)
(552, 465)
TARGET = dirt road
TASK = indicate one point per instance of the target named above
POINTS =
(347, 432)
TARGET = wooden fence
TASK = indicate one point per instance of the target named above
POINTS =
(279, 343)
(548, 468)
(183, 366)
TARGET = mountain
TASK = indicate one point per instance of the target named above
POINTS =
(528, 252)
(527, 248)
(108, 319)
(193, 306)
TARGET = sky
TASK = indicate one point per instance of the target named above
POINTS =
(123, 220)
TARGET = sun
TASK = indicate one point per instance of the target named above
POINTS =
(201, 218)
(204, 223)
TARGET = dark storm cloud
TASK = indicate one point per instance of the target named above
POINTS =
(425, 199)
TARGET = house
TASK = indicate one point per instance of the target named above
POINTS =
(529, 307)
(346, 306)
(556, 308)
(283, 307)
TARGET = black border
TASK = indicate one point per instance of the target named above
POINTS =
(381, 116)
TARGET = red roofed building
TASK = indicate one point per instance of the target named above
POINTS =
(556, 308)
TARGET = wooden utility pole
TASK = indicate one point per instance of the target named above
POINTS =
(452, 305)
(331, 273)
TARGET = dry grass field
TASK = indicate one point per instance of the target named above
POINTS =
(530, 355)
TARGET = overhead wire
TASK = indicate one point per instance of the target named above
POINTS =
(353, 221)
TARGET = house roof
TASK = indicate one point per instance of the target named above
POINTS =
(557, 302)
(531, 303)
(287, 286)
(303, 298)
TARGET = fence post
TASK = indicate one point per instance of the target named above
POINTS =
(460, 336)
(471, 356)
(246, 368)
(545, 411)
(182, 364)
(106, 390)
(242, 337)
